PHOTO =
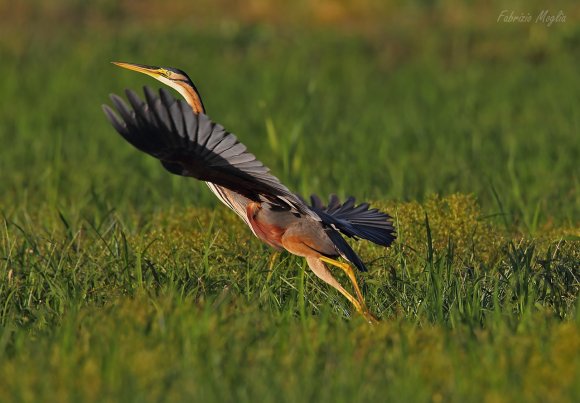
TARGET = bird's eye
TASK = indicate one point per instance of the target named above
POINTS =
(165, 73)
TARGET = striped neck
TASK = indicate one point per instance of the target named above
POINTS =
(191, 95)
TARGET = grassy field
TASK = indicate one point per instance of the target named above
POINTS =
(121, 282)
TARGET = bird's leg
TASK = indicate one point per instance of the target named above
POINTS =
(350, 273)
(318, 267)
(272, 260)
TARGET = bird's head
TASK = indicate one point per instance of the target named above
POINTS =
(172, 77)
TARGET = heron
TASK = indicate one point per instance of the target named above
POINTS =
(187, 142)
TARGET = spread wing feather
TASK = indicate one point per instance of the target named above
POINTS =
(356, 221)
(190, 144)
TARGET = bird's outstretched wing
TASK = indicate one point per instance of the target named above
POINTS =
(356, 221)
(190, 144)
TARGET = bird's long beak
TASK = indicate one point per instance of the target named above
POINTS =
(152, 71)
(182, 85)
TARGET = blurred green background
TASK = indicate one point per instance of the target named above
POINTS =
(382, 100)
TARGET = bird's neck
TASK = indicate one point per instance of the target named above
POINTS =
(194, 100)
(190, 93)
(192, 97)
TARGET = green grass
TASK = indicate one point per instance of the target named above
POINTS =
(181, 308)
(120, 282)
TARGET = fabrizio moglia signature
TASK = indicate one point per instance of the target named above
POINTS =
(543, 17)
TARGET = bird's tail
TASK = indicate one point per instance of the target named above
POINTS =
(356, 221)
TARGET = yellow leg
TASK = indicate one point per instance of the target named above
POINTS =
(272, 260)
(318, 267)
(353, 301)
(361, 306)
(349, 272)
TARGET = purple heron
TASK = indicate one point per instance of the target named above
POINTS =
(188, 143)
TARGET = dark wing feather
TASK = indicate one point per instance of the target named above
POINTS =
(189, 144)
(356, 221)
(344, 249)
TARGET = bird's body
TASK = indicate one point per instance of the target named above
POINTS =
(285, 230)
(188, 143)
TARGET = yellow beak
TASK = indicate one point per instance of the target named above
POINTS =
(152, 71)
